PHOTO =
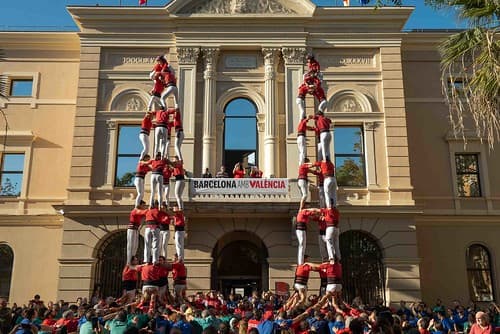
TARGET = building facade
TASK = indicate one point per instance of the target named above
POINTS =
(420, 211)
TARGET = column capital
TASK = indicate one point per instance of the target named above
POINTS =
(210, 55)
(270, 55)
(188, 55)
(111, 125)
(294, 56)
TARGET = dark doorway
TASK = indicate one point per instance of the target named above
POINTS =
(6, 265)
(111, 258)
(240, 264)
(362, 267)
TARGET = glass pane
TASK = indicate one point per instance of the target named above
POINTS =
(6, 262)
(350, 171)
(11, 184)
(240, 107)
(478, 265)
(21, 88)
(468, 185)
(125, 171)
(13, 163)
(466, 163)
(240, 134)
(128, 141)
(348, 140)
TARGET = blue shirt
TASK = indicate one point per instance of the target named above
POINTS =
(267, 327)
(447, 324)
(184, 326)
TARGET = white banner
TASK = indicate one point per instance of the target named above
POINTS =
(239, 186)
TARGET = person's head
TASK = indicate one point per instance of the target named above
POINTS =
(90, 314)
(206, 170)
(161, 60)
(175, 158)
(134, 260)
(158, 156)
(155, 204)
(482, 319)
(306, 257)
(438, 302)
(306, 160)
(146, 157)
(357, 326)
(309, 57)
(222, 168)
(175, 258)
(121, 316)
(162, 259)
(402, 304)
(3, 302)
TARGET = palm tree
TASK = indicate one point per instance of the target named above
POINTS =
(470, 67)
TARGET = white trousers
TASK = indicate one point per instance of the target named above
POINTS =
(330, 188)
(139, 187)
(152, 100)
(321, 196)
(151, 243)
(179, 188)
(322, 106)
(332, 242)
(179, 138)
(166, 190)
(320, 152)
(179, 244)
(301, 249)
(164, 236)
(170, 90)
(303, 184)
(323, 251)
(144, 139)
(156, 187)
(302, 146)
(132, 243)
(325, 139)
(302, 108)
(162, 141)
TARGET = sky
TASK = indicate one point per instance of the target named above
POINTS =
(41, 15)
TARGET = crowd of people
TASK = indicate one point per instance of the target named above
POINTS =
(264, 313)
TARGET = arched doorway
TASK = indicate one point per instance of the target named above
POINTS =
(240, 264)
(240, 134)
(111, 258)
(6, 265)
(362, 267)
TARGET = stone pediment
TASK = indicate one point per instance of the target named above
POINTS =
(241, 7)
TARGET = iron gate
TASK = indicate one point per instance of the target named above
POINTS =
(362, 267)
(111, 259)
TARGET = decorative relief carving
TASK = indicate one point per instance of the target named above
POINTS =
(261, 122)
(294, 56)
(118, 60)
(134, 104)
(111, 125)
(210, 56)
(270, 62)
(348, 105)
(238, 7)
(188, 55)
(128, 102)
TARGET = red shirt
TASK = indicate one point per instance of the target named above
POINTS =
(158, 166)
(304, 170)
(178, 168)
(164, 218)
(302, 128)
(160, 67)
(303, 218)
(169, 78)
(179, 219)
(158, 85)
(177, 121)
(153, 215)
(330, 216)
(238, 174)
(142, 169)
(302, 273)
(146, 124)
(149, 273)
(475, 329)
(161, 118)
(313, 65)
(179, 273)
(129, 274)
(327, 168)
(71, 324)
(136, 217)
(323, 123)
(167, 174)
(256, 174)
(253, 323)
(333, 273)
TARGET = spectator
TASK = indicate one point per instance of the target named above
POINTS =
(447, 323)
(25, 327)
(482, 325)
(222, 173)
(207, 174)
(256, 173)
(5, 316)
(238, 171)
(119, 324)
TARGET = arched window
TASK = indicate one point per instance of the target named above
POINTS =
(240, 133)
(111, 258)
(362, 267)
(479, 273)
(6, 264)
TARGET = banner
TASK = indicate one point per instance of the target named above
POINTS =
(239, 186)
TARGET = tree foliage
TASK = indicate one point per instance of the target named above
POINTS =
(471, 68)
(126, 180)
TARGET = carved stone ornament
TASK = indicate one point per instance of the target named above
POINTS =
(238, 7)
(348, 105)
(210, 55)
(134, 104)
(294, 56)
(188, 55)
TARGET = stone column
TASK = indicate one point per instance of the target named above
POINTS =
(209, 111)
(271, 124)
(294, 70)
(188, 58)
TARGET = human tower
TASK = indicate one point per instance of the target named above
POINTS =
(158, 215)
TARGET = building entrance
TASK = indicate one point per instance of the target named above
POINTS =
(240, 264)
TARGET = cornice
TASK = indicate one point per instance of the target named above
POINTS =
(425, 40)
(66, 41)
(27, 220)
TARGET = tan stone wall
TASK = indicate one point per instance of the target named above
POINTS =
(36, 246)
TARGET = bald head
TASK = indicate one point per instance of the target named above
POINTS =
(482, 319)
